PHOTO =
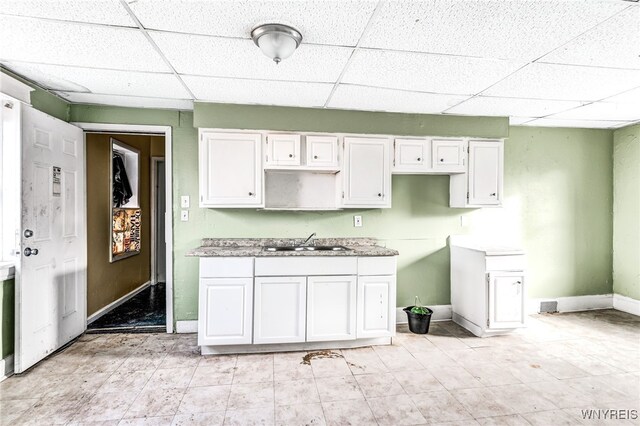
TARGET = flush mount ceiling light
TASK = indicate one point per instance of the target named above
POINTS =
(277, 41)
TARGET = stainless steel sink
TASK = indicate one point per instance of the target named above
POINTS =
(306, 248)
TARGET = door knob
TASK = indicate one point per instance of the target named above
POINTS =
(28, 233)
(29, 251)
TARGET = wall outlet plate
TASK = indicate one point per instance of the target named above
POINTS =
(184, 215)
(184, 201)
(357, 221)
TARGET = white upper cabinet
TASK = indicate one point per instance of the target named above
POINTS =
(481, 186)
(447, 155)
(367, 172)
(411, 156)
(282, 150)
(230, 169)
(322, 151)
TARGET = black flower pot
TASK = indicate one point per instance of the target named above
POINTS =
(418, 323)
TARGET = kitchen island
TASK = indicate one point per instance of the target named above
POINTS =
(266, 295)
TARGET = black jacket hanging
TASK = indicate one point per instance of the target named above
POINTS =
(121, 188)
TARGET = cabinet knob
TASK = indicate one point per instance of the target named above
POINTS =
(419, 159)
(290, 155)
(442, 160)
(493, 194)
(315, 157)
(251, 194)
(379, 194)
(518, 282)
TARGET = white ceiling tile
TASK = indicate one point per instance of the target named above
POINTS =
(40, 41)
(630, 97)
(613, 43)
(565, 82)
(375, 99)
(127, 101)
(482, 105)
(490, 29)
(258, 92)
(108, 12)
(426, 73)
(95, 80)
(323, 22)
(224, 57)
(519, 121)
(582, 124)
(603, 111)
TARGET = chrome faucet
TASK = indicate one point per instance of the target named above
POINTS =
(308, 239)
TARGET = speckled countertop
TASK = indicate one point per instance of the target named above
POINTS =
(254, 247)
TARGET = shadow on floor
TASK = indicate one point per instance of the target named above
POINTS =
(144, 312)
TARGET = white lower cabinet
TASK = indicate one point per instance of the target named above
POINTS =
(376, 306)
(506, 299)
(225, 311)
(331, 308)
(280, 309)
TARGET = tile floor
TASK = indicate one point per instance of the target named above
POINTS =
(546, 375)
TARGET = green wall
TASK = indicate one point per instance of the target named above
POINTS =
(44, 101)
(626, 212)
(558, 203)
(6, 314)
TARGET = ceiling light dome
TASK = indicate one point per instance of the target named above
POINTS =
(277, 41)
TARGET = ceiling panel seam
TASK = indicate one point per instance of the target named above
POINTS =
(156, 47)
(66, 21)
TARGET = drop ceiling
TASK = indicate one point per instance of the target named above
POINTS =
(566, 63)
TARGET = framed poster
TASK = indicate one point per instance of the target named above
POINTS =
(125, 233)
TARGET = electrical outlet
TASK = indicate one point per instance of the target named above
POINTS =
(184, 215)
(184, 201)
(357, 221)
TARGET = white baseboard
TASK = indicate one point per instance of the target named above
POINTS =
(6, 367)
(573, 303)
(440, 313)
(116, 303)
(187, 326)
(626, 304)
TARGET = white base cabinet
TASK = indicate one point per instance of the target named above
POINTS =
(331, 308)
(280, 311)
(376, 306)
(225, 311)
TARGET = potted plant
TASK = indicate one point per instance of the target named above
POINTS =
(419, 317)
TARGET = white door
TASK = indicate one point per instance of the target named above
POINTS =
(280, 309)
(410, 155)
(448, 155)
(322, 151)
(230, 169)
(331, 308)
(52, 284)
(485, 172)
(367, 180)
(376, 306)
(506, 300)
(283, 150)
(225, 311)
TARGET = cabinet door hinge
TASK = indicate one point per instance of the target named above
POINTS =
(487, 322)
(467, 195)
(342, 194)
(201, 198)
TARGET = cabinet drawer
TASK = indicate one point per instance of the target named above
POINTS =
(382, 265)
(226, 267)
(506, 263)
(304, 266)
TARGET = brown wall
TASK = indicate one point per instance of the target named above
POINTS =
(107, 282)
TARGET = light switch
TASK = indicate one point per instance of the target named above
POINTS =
(357, 221)
(184, 215)
(184, 201)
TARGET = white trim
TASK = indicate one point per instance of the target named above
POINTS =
(289, 347)
(187, 326)
(6, 367)
(626, 304)
(168, 229)
(7, 271)
(15, 88)
(91, 318)
(154, 226)
(573, 303)
(440, 313)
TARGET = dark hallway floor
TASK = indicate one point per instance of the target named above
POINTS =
(146, 311)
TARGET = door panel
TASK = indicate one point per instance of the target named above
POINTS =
(331, 308)
(283, 150)
(506, 300)
(322, 151)
(51, 284)
(225, 311)
(485, 173)
(448, 155)
(368, 172)
(376, 306)
(411, 155)
(280, 309)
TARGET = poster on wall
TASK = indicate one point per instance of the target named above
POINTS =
(125, 233)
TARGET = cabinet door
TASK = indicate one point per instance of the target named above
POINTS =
(506, 299)
(410, 155)
(280, 309)
(225, 311)
(447, 155)
(485, 172)
(331, 308)
(230, 169)
(376, 306)
(322, 151)
(367, 180)
(283, 150)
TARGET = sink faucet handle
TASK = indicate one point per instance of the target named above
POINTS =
(308, 239)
